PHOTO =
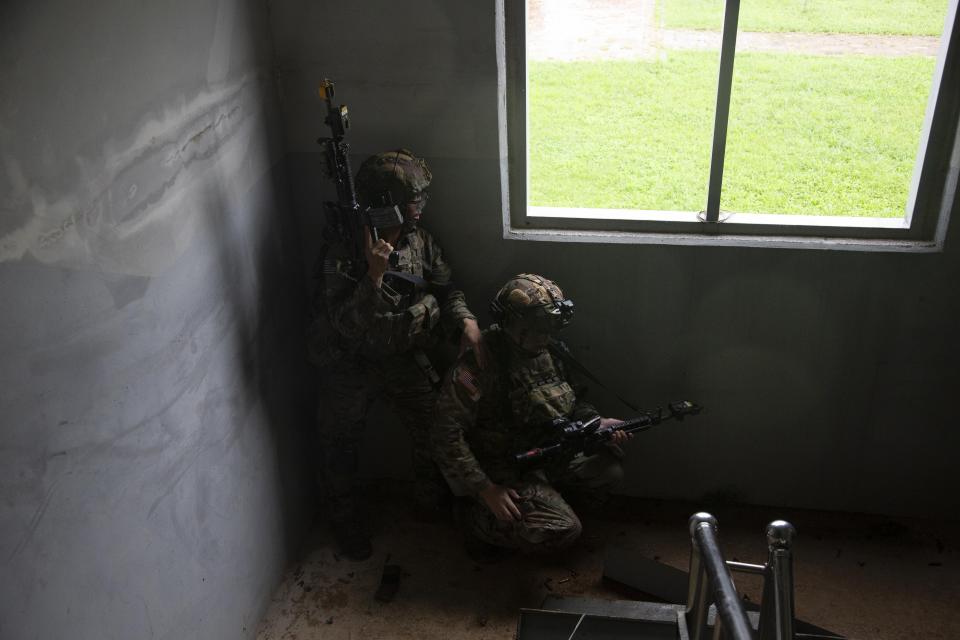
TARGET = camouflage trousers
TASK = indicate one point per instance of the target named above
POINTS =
(549, 523)
(347, 391)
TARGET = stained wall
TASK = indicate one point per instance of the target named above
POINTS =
(154, 398)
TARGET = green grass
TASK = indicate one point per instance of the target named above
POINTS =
(808, 135)
(910, 17)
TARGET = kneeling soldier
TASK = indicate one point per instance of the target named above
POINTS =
(486, 415)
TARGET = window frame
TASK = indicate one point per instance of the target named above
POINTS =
(933, 189)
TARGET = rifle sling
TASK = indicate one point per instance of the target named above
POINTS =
(421, 284)
(559, 349)
(409, 277)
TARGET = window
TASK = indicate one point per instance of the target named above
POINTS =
(754, 174)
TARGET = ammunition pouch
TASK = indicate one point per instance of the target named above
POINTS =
(424, 316)
(426, 367)
(399, 332)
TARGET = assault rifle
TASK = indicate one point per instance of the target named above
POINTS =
(345, 215)
(585, 436)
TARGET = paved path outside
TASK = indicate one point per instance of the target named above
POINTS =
(590, 30)
(828, 44)
(624, 29)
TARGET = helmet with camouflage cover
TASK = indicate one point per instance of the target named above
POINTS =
(399, 173)
(532, 310)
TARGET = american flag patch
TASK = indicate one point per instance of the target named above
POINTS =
(468, 381)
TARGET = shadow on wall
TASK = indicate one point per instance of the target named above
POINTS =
(258, 252)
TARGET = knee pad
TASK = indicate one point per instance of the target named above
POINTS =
(613, 474)
(570, 534)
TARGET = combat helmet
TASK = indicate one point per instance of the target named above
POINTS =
(532, 310)
(397, 172)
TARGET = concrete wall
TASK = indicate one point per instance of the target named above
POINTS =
(153, 394)
(826, 374)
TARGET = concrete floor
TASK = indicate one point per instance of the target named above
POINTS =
(861, 576)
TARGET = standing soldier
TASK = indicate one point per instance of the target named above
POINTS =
(485, 415)
(369, 334)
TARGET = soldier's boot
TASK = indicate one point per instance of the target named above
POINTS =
(350, 530)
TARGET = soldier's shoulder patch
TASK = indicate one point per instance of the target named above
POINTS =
(466, 379)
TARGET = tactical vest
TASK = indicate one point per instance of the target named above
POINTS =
(528, 393)
(336, 273)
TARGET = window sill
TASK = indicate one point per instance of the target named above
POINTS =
(557, 224)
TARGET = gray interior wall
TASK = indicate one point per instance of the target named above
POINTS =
(826, 375)
(153, 394)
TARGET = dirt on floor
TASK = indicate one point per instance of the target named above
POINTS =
(862, 576)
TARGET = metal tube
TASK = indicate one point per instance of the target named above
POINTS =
(746, 567)
(717, 629)
(777, 609)
(722, 113)
(729, 607)
(698, 603)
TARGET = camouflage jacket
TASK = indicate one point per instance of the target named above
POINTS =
(485, 416)
(351, 315)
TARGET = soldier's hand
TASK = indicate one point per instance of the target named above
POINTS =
(471, 338)
(617, 438)
(378, 258)
(501, 502)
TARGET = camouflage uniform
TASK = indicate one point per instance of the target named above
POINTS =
(485, 416)
(369, 343)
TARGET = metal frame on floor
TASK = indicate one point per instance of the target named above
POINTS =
(713, 609)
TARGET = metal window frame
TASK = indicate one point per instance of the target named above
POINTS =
(933, 190)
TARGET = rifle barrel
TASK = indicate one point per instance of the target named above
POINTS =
(584, 435)
(640, 423)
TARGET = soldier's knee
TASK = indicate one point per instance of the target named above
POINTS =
(568, 533)
(562, 533)
(600, 472)
(574, 530)
(613, 473)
